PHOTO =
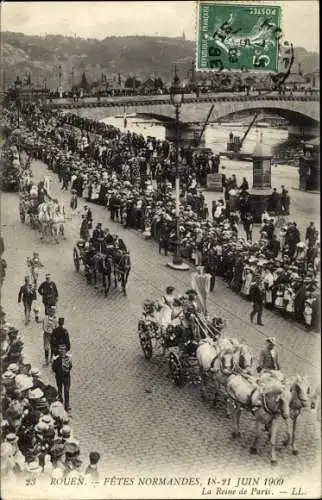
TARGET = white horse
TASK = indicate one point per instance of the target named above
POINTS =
(58, 223)
(272, 400)
(45, 220)
(218, 360)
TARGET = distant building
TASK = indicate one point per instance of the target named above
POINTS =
(183, 37)
(296, 82)
(314, 79)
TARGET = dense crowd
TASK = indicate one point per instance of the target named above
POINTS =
(37, 440)
(134, 178)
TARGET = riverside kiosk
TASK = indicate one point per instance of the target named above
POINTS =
(262, 179)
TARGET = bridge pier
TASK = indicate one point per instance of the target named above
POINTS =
(188, 134)
(303, 132)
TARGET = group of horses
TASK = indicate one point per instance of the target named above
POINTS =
(104, 263)
(227, 366)
(42, 212)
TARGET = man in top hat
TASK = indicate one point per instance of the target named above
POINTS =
(268, 359)
(48, 291)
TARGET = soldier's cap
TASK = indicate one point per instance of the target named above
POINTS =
(48, 275)
(170, 289)
(271, 340)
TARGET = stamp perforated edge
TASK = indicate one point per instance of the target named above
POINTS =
(233, 4)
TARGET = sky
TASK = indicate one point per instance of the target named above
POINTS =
(164, 18)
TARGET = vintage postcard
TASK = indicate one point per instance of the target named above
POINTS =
(160, 250)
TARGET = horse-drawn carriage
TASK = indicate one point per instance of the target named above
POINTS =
(28, 210)
(103, 261)
(178, 341)
(42, 212)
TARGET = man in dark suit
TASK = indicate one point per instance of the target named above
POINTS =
(274, 246)
(210, 264)
(59, 337)
(62, 365)
(119, 243)
(48, 291)
(27, 294)
(257, 295)
(268, 359)
(108, 238)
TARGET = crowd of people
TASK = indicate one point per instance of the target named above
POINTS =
(37, 440)
(133, 177)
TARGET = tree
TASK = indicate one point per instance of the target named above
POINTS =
(132, 82)
(158, 83)
(84, 83)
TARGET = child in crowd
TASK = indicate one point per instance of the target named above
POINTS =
(91, 469)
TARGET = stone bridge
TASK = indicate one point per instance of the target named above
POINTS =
(301, 111)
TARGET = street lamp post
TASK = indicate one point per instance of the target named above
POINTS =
(18, 103)
(176, 99)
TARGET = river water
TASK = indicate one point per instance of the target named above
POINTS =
(216, 136)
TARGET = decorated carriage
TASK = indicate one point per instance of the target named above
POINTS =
(177, 341)
(28, 210)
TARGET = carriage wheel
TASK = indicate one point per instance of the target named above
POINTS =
(76, 260)
(176, 370)
(146, 344)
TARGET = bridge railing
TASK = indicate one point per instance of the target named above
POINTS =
(188, 100)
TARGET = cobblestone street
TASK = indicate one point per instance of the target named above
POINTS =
(125, 407)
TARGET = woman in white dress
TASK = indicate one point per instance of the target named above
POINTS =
(247, 281)
(167, 306)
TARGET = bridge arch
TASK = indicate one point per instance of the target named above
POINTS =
(300, 111)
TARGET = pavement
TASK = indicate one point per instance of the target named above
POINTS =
(128, 408)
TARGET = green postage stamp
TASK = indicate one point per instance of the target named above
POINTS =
(238, 36)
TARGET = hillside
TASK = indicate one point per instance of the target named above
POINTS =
(42, 55)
